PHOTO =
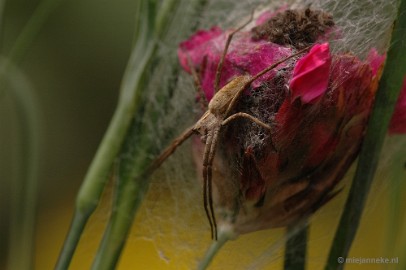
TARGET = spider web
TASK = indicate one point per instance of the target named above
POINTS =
(172, 218)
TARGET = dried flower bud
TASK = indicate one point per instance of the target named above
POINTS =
(297, 28)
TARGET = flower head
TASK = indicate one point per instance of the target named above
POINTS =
(318, 105)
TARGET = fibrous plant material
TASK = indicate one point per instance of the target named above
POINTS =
(298, 28)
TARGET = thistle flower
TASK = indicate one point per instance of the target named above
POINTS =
(318, 106)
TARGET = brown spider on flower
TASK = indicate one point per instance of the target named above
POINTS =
(219, 113)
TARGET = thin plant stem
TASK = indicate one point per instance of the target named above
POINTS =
(150, 27)
(133, 180)
(89, 194)
(296, 247)
(96, 177)
(215, 247)
(119, 225)
(388, 91)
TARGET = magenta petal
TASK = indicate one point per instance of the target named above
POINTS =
(311, 74)
(375, 60)
(196, 46)
(398, 122)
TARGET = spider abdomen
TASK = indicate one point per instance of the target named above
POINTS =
(219, 103)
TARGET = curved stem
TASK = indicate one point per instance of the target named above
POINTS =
(222, 238)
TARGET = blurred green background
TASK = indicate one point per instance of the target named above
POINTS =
(75, 65)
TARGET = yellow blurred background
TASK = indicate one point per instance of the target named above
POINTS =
(75, 65)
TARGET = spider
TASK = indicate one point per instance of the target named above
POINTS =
(214, 120)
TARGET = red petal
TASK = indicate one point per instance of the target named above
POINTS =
(398, 122)
(375, 60)
(311, 74)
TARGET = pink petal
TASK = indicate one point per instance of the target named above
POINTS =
(311, 74)
(196, 46)
(375, 60)
(398, 122)
(244, 56)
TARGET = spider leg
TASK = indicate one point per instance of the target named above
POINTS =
(246, 116)
(274, 65)
(157, 162)
(208, 157)
(206, 186)
(203, 100)
(253, 119)
(209, 176)
(223, 56)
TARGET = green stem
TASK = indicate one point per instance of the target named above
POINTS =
(132, 183)
(25, 185)
(132, 90)
(96, 178)
(126, 204)
(389, 89)
(95, 181)
(296, 247)
(76, 228)
(222, 238)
